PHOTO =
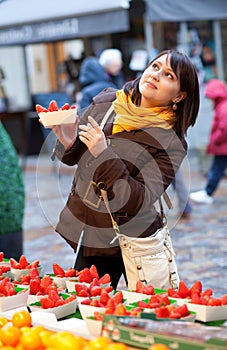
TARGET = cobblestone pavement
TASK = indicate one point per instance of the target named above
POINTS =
(200, 242)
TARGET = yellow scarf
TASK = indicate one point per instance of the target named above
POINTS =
(131, 117)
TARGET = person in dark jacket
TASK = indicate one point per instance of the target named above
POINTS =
(99, 73)
(12, 199)
(134, 159)
(216, 90)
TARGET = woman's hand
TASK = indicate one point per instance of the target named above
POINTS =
(93, 137)
(66, 133)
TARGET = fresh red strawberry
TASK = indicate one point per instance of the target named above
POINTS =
(85, 275)
(120, 310)
(14, 264)
(208, 292)
(94, 272)
(162, 312)
(58, 270)
(53, 106)
(35, 263)
(95, 290)
(142, 304)
(154, 302)
(34, 272)
(139, 287)
(5, 268)
(172, 293)
(94, 282)
(110, 307)
(195, 298)
(1, 256)
(109, 289)
(25, 279)
(149, 290)
(214, 302)
(196, 287)
(60, 302)
(53, 295)
(82, 290)
(104, 297)
(46, 281)
(66, 106)
(46, 303)
(35, 286)
(182, 310)
(118, 297)
(40, 109)
(70, 298)
(23, 262)
(70, 272)
(86, 301)
(73, 107)
(104, 279)
(95, 302)
(183, 290)
(224, 299)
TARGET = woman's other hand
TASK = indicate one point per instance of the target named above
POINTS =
(93, 137)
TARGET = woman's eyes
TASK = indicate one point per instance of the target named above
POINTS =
(167, 73)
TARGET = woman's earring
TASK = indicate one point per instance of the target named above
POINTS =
(174, 106)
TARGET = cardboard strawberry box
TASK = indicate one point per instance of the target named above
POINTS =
(58, 117)
(14, 301)
(142, 333)
(206, 313)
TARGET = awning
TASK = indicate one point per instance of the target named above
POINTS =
(189, 10)
(26, 21)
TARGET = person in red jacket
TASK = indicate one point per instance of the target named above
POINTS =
(216, 90)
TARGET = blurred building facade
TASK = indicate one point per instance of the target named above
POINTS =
(35, 44)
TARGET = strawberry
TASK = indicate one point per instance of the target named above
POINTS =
(85, 276)
(139, 287)
(73, 107)
(95, 290)
(86, 301)
(23, 262)
(70, 272)
(110, 307)
(214, 302)
(224, 299)
(58, 270)
(120, 310)
(182, 310)
(40, 109)
(98, 316)
(172, 293)
(66, 106)
(104, 279)
(104, 297)
(14, 264)
(109, 289)
(195, 298)
(118, 297)
(60, 302)
(162, 312)
(95, 303)
(1, 256)
(35, 286)
(35, 263)
(142, 304)
(94, 272)
(197, 287)
(46, 303)
(154, 302)
(149, 290)
(183, 290)
(82, 290)
(53, 106)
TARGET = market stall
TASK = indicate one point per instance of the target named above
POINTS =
(73, 309)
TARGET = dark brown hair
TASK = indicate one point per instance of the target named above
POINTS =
(188, 108)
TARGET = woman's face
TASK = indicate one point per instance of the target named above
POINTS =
(159, 85)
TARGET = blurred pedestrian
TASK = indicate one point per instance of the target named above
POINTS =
(99, 73)
(12, 199)
(216, 90)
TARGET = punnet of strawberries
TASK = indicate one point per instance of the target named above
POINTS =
(197, 295)
(53, 107)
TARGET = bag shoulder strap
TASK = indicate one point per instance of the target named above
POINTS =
(106, 116)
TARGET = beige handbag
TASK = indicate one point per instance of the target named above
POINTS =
(151, 259)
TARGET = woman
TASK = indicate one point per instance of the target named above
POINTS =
(134, 159)
(216, 91)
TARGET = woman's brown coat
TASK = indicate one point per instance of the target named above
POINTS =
(135, 170)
